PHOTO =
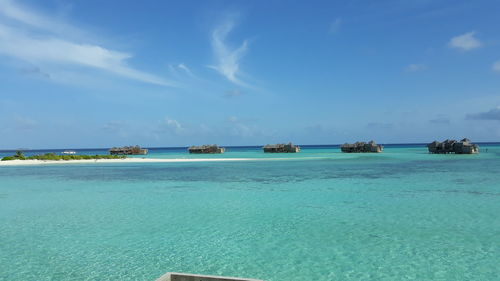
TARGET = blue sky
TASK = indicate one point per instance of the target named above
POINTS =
(176, 73)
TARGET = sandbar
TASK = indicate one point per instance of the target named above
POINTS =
(126, 160)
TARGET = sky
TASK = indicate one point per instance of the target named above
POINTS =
(90, 74)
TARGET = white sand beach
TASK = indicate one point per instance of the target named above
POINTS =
(125, 160)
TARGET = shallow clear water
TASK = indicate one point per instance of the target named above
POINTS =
(320, 215)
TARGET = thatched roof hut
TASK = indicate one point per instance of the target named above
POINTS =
(128, 150)
(452, 146)
(281, 148)
(361, 147)
(206, 149)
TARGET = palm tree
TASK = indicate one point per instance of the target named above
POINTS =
(19, 154)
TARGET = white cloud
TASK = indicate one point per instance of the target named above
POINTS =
(496, 66)
(242, 130)
(465, 41)
(416, 67)
(228, 60)
(44, 42)
(183, 67)
(24, 15)
(186, 69)
(171, 126)
(335, 25)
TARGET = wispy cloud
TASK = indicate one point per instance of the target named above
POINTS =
(171, 126)
(416, 67)
(37, 39)
(182, 72)
(496, 66)
(335, 25)
(185, 68)
(465, 41)
(228, 59)
(492, 114)
(22, 14)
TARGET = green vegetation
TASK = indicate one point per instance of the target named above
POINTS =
(18, 156)
(52, 156)
(6, 158)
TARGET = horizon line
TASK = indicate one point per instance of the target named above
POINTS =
(230, 146)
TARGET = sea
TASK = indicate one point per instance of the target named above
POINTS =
(320, 214)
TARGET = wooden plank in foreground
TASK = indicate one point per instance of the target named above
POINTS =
(174, 276)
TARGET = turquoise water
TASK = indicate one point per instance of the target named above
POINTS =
(319, 215)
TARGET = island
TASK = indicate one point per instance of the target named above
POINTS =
(19, 155)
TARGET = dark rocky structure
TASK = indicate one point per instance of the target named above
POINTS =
(452, 146)
(361, 147)
(281, 148)
(128, 150)
(206, 149)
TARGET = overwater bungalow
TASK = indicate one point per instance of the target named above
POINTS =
(128, 150)
(281, 148)
(452, 146)
(361, 147)
(206, 149)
